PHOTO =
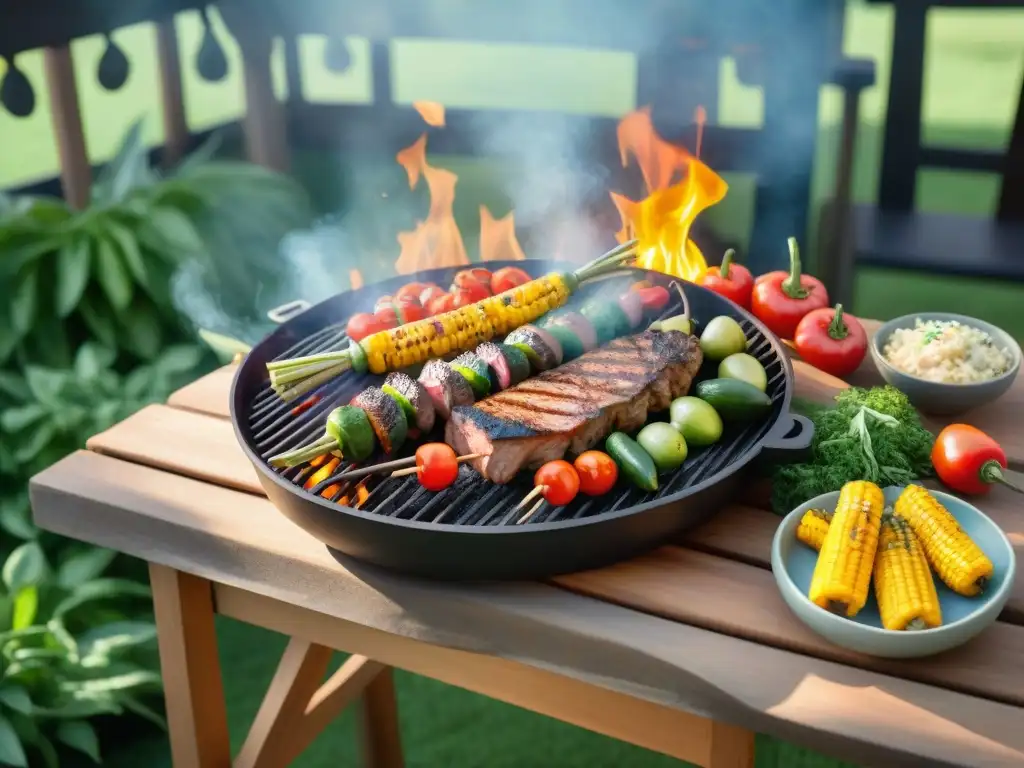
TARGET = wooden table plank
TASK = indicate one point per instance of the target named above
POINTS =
(207, 394)
(696, 595)
(180, 441)
(194, 526)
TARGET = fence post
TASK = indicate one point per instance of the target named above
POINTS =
(75, 171)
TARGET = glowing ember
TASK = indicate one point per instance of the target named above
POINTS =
(679, 187)
(498, 238)
(431, 112)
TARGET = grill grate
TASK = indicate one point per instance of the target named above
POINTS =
(277, 426)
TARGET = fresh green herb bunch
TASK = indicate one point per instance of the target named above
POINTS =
(871, 434)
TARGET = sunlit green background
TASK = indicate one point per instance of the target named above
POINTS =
(973, 70)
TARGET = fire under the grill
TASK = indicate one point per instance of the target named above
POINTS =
(277, 426)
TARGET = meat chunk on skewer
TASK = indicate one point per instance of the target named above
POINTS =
(571, 408)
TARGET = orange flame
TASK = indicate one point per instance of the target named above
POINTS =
(679, 187)
(431, 112)
(498, 238)
(436, 241)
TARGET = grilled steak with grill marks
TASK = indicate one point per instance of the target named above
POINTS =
(572, 407)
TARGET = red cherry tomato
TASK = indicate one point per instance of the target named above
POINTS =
(831, 341)
(507, 278)
(597, 472)
(410, 291)
(437, 466)
(560, 482)
(383, 303)
(470, 285)
(431, 292)
(781, 299)
(409, 311)
(733, 281)
(443, 303)
(362, 325)
(653, 298)
(386, 317)
(463, 297)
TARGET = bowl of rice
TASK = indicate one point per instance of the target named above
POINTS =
(946, 363)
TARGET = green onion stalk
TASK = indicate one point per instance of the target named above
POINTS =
(295, 377)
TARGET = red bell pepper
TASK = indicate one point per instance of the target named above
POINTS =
(733, 281)
(968, 460)
(781, 299)
(831, 341)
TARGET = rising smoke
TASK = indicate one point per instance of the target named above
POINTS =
(552, 178)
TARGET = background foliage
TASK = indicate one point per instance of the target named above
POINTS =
(93, 331)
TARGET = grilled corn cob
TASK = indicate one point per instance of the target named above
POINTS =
(813, 527)
(957, 560)
(842, 575)
(465, 328)
(459, 330)
(904, 586)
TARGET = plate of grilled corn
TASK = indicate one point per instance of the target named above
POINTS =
(898, 572)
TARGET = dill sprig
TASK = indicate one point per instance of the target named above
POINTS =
(870, 434)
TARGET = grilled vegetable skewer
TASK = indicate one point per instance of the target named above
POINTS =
(458, 330)
(557, 482)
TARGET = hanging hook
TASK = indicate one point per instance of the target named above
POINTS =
(112, 71)
(16, 92)
(337, 57)
(211, 61)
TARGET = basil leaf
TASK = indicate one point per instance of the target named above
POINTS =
(73, 267)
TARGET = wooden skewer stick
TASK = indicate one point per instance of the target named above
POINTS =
(533, 510)
(374, 469)
(414, 470)
(537, 491)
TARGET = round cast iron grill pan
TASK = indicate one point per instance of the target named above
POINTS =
(470, 531)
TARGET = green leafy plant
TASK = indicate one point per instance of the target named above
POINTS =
(106, 272)
(50, 412)
(90, 331)
(73, 645)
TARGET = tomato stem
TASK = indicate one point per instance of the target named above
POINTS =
(791, 286)
(837, 328)
(726, 263)
(992, 472)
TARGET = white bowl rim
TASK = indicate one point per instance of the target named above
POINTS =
(891, 325)
(999, 596)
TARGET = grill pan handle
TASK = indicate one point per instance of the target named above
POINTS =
(286, 312)
(790, 440)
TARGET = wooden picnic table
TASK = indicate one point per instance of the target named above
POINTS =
(688, 650)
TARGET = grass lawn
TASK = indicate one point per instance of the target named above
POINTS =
(973, 65)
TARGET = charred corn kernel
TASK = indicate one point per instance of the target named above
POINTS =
(813, 527)
(957, 560)
(842, 575)
(904, 586)
(463, 328)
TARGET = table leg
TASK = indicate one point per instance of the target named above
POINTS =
(730, 747)
(382, 743)
(193, 690)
